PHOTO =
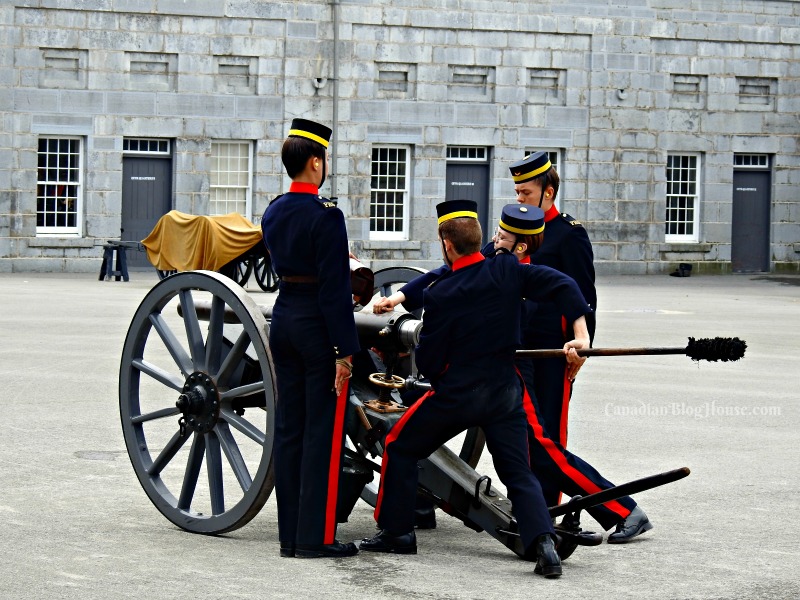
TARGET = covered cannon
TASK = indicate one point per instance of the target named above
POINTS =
(229, 244)
(197, 407)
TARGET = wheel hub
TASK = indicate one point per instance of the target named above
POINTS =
(199, 402)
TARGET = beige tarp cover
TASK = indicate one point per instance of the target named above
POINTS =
(181, 242)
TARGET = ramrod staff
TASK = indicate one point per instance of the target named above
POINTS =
(711, 349)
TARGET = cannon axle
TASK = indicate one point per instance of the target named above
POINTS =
(199, 402)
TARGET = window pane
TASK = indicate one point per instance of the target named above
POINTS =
(229, 178)
(388, 193)
(58, 185)
(682, 187)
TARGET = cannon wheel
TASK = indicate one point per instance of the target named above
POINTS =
(196, 399)
(266, 277)
(388, 281)
(242, 270)
(239, 269)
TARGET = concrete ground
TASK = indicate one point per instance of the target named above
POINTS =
(76, 523)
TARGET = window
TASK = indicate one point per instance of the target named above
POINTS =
(759, 162)
(152, 71)
(231, 175)
(471, 83)
(756, 93)
(149, 146)
(388, 205)
(688, 91)
(59, 186)
(469, 153)
(546, 86)
(63, 68)
(396, 80)
(236, 74)
(683, 183)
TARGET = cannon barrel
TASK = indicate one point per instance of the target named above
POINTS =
(389, 331)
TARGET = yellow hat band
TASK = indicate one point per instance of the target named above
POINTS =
(532, 174)
(310, 136)
(455, 215)
(521, 231)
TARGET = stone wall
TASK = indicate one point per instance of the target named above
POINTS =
(615, 118)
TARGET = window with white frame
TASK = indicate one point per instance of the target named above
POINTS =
(59, 186)
(389, 202)
(683, 200)
(231, 176)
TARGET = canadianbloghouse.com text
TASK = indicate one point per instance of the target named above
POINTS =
(698, 410)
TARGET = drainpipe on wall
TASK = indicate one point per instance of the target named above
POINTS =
(335, 123)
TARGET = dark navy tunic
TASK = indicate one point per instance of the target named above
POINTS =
(547, 390)
(470, 333)
(312, 324)
(566, 248)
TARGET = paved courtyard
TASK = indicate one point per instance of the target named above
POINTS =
(76, 523)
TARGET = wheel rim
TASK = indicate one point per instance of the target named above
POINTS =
(242, 270)
(181, 390)
(388, 281)
(266, 277)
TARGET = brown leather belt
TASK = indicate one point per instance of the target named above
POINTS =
(300, 278)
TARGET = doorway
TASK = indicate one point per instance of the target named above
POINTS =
(146, 193)
(750, 220)
(468, 179)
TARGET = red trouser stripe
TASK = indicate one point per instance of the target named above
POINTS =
(586, 484)
(335, 467)
(565, 397)
(392, 436)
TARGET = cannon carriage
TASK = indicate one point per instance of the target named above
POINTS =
(197, 408)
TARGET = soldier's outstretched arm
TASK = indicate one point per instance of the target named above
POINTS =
(580, 342)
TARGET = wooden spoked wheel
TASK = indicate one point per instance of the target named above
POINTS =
(197, 402)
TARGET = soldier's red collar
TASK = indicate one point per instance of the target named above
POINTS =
(525, 260)
(299, 187)
(551, 214)
(468, 260)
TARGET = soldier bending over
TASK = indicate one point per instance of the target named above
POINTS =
(471, 331)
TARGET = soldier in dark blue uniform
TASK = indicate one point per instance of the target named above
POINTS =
(312, 339)
(466, 349)
(566, 248)
(520, 232)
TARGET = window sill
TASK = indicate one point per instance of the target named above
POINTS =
(391, 244)
(685, 247)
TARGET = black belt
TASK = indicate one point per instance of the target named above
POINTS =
(300, 278)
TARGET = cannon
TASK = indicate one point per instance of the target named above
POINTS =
(197, 409)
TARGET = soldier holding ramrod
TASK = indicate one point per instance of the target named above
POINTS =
(466, 349)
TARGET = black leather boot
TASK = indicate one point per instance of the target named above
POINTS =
(425, 517)
(548, 563)
(636, 524)
(335, 550)
(405, 543)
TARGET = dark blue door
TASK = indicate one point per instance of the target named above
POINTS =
(146, 196)
(750, 221)
(470, 181)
